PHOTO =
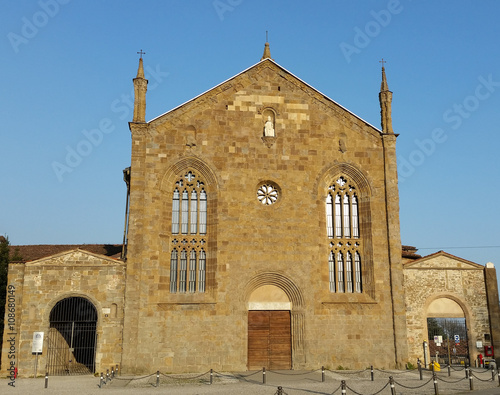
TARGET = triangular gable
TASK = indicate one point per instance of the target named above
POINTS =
(75, 257)
(228, 84)
(443, 261)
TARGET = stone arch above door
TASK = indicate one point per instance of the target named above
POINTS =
(287, 286)
(269, 297)
(445, 307)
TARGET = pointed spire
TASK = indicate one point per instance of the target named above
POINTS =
(383, 86)
(140, 88)
(385, 99)
(267, 52)
(140, 70)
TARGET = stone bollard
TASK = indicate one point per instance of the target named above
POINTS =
(436, 389)
(393, 388)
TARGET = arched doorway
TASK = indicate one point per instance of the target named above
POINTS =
(269, 329)
(447, 332)
(72, 337)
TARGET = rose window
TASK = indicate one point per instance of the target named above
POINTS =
(267, 194)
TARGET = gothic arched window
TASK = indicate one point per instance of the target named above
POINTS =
(189, 224)
(342, 228)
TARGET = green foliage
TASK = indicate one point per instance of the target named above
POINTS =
(435, 329)
(16, 256)
(340, 367)
(410, 366)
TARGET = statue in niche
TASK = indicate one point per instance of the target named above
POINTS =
(342, 146)
(269, 128)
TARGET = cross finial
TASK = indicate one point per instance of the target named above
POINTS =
(141, 53)
(266, 37)
(382, 61)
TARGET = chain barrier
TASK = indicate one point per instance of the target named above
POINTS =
(394, 373)
(293, 374)
(457, 369)
(347, 371)
(245, 376)
(450, 382)
(479, 370)
(133, 378)
(373, 393)
(176, 377)
(232, 376)
(338, 388)
(104, 379)
(412, 388)
(484, 381)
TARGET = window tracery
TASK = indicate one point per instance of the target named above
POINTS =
(189, 220)
(342, 223)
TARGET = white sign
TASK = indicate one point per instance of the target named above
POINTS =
(37, 343)
(479, 345)
(438, 340)
(457, 338)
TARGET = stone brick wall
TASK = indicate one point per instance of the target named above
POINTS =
(218, 136)
(444, 276)
(41, 284)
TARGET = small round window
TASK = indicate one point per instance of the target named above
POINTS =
(268, 193)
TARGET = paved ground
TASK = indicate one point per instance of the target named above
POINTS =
(292, 383)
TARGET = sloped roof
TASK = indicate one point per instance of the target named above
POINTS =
(34, 252)
(444, 261)
(410, 252)
(271, 61)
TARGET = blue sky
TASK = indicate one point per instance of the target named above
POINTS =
(66, 77)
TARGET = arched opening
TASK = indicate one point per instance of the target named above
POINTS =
(72, 337)
(269, 329)
(447, 332)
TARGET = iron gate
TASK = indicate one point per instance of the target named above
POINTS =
(72, 337)
(448, 340)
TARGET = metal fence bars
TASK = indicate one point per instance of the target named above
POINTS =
(72, 337)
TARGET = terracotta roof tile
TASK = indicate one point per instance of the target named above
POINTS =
(33, 252)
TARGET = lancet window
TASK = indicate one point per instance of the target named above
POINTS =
(343, 233)
(189, 223)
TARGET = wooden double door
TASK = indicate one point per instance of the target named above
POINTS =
(269, 340)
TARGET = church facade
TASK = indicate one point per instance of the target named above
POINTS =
(263, 231)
